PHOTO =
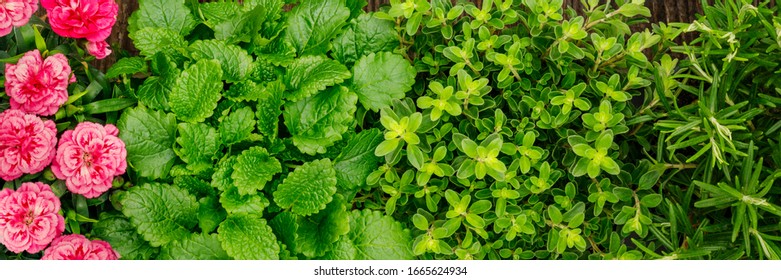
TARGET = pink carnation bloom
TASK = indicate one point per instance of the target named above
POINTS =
(27, 144)
(98, 49)
(89, 157)
(29, 218)
(15, 13)
(82, 19)
(38, 86)
(78, 247)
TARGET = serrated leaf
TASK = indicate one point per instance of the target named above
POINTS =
(161, 213)
(221, 178)
(235, 203)
(127, 66)
(237, 126)
(373, 236)
(150, 41)
(243, 27)
(245, 91)
(311, 74)
(285, 226)
(149, 139)
(366, 34)
(357, 159)
(194, 186)
(210, 214)
(313, 23)
(218, 12)
(317, 122)
(121, 234)
(308, 188)
(248, 237)
(269, 109)
(236, 63)
(194, 247)
(173, 15)
(317, 233)
(155, 90)
(195, 95)
(378, 79)
(253, 169)
(198, 145)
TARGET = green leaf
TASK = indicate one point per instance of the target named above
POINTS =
(150, 41)
(311, 74)
(313, 23)
(248, 237)
(161, 213)
(366, 34)
(235, 203)
(221, 178)
(218, 12)
(121, 234)
(651, 200)
(127, 66)
(210, 214)
(243, 27)
(198, 146)
(149, 139)
(378, 79)
(253, 169)
(194, 247)
(173, 15)
(357, 159)
(195, 95)
(373, 236)
(308, 188)
(649, 179)
(246, 91)
(194, 186)
(237, 126)
(317, 233)
(155, 90)
(269, 109)
(236, 63)
(285, 226)
(317, 122)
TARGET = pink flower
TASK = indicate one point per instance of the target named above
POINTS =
(29, 218)
(15, 13)
(89, 157)
(27, 144)
(38, 86)
(82, 19)
(99, 49)
(78, 247)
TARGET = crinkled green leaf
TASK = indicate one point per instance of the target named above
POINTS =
(127, 66)
(248, 237)
(253, 169)
(194, 247)
(155, 90)
(218, 12)
(242, 27)
(285, 226)
(311, 74)
(269, 109)
(198, 146)
(317, 233)
(150, 41)
(194, 186)
(245, 91)
(161, 213)
(357, 159)
(149, 139)
(366, 34)
(197, 91)
(173, 15)
(236, 63)
(210, 214)
(235, 203)
(373, 236)
(221, 179)
(121, 234)
(380, 78)
(237, 126)
(318, 121)
(313, 23)
(308, 188)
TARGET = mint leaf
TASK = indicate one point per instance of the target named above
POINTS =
(245, 91)
(210, 214)
(243, 27)
(121, 234)
(149, 139)
(155, 90)
(285, 226)
(313, 23)
(235, 62)
(194, 247)
(308, 188)
(150, 41)
(318, 121)
(378, 79)
(161, 213)
(310, 74)
(317, 233)
(198, 146)
(221, 178)
(195, 95)
(357, 159)
(248, 237)
(253, 169)
(218, 12)
(167, 14)
(127, 66)
(235, 203)
(237, 126)
(373, 236)
(366, 34)
(194, 186)
(269, 109)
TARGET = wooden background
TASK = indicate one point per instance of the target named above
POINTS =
(661, 11)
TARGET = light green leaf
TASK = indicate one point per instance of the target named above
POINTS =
(242, 27)
(221, 178)
(161, 213)
(310, 74)
(308, 188)
(173, 15)
(313, 23)
(235, 203)
(366, 34)
(357, 159)
(317, 233)
(210, 214)
(373, 236)
(285, 226)
(317, 122)
(235, 62)
(149, 139)
(127, 66)
(155, 90)
(378, 79)
(150, 41)
(253, 169)
(194, 186)
(195, 95)
(218, 12)
(121, 234)
(194, 247)
(237, 126)
(269, 109)
(198, 145)
(248, 237)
